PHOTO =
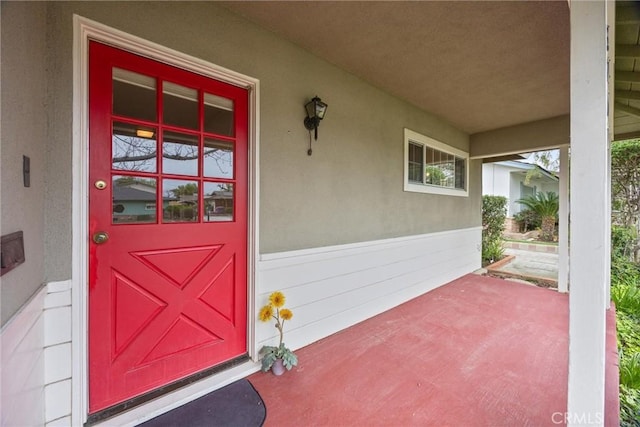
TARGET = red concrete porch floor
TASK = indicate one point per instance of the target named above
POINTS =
(478, 351)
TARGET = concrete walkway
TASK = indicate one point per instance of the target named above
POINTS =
(532, 263)
(531, 246)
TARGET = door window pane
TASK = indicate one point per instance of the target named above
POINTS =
(134, 199)
(134, 95)
(218, 115)
(179, 200)
(180, 105)
(218, 201)
(218, 158)
(133, 148)
(180, 154)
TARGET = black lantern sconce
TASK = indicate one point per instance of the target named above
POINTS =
(315, 112)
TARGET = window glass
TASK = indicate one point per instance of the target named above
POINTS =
(218, 201)
(134, 95)
(179, 200)
(133, 147)
(180, 106)
(132, 197)
(180, 154)
(218, 158)
(461, 173)
(415, 162)
(218, 115)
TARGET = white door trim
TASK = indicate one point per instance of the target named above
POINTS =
(84, 30)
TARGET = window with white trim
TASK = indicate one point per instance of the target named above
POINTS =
(431, 166)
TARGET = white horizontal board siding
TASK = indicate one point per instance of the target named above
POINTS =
(332, 288)
(57, 353)
(22, 367)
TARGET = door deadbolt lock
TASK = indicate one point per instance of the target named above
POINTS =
(100, 237)
(100, 184)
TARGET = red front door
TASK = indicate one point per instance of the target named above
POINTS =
(168, 224)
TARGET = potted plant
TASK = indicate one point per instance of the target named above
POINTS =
(277, 358)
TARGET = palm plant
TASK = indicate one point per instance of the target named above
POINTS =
(545, 205)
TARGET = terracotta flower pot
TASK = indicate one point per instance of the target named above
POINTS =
(278, 367)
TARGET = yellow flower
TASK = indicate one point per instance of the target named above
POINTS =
(286, 314)
(266, 313)
(277, 299)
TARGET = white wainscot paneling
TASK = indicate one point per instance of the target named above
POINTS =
(22, 367)
(57, 353)
(335, 287)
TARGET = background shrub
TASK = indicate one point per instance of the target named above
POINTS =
(627, 298)
(629, 407)
(623, 240)
(630, 371)
(527, 220)
(625, 293)
(494, 214)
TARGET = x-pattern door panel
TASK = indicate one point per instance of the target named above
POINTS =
(168, 219)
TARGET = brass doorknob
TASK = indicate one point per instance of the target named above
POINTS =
(100, 237)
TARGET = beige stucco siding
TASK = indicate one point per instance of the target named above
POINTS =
(24, 125)
(523, 138)
(350, 190)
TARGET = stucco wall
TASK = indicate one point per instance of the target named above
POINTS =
(350, 190)
(495, 180)
(24, 132)
(523, 138)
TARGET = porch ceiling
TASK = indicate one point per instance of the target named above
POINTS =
(478, 65)
(627, 71)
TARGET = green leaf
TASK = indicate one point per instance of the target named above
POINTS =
(268, 349)
(268, 361)
(289, 359)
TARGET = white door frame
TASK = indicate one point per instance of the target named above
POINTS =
(84, 30)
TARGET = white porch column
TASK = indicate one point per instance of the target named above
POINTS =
(563, 222)
(588, 267)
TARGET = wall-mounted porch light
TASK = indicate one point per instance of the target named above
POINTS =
(315, 112)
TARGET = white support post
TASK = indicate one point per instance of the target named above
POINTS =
(611, 56)
(588, 267)
(563, 222)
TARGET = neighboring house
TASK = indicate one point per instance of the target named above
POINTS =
(219, 205)
(133, 203)
(516, 180)
(119, 321)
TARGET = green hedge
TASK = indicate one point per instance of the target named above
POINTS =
(494, 214)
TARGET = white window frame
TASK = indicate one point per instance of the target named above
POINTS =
(416, 138)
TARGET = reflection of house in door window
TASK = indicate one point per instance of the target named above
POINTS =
(134, 200)
(218, 200)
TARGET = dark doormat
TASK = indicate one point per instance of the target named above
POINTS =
(236, 405)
